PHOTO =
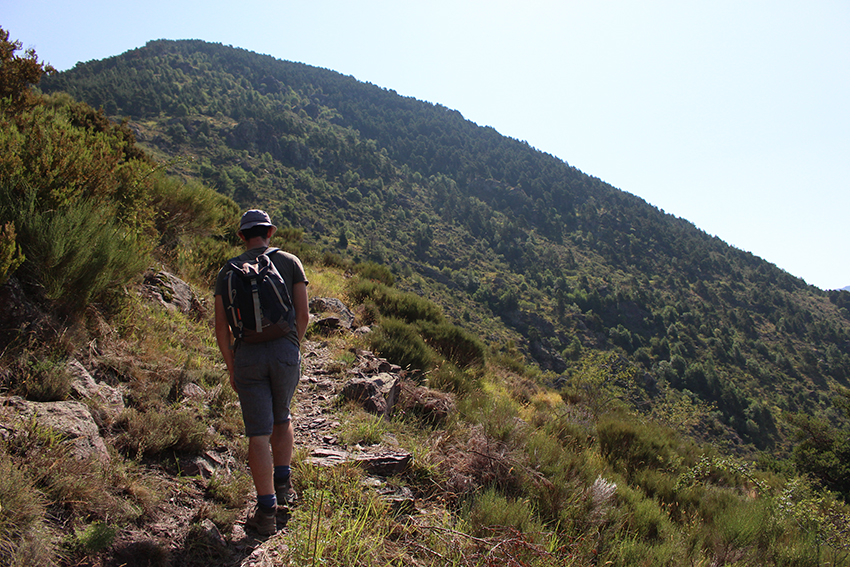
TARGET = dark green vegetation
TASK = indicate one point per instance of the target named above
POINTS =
(514, 242)
(594, 345)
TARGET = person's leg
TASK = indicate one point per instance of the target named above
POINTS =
(285, 373)
(262, 466)
(254, 391)
(263, 518)
(282, 442)
(285, 378)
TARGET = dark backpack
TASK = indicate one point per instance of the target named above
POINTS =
(256, 300)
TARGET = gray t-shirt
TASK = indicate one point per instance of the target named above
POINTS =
(287, 264)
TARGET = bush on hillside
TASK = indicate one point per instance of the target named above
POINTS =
(399, 343)
(375, 272)
(457, 345)
(630, 446)
(78, 253)
(393, 303)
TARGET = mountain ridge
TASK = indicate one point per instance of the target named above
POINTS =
(500, 233)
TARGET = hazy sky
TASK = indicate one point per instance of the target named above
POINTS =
(733, 114)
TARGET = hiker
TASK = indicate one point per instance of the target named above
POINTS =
(264, 374)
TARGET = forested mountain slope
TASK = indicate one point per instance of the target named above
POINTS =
(515, 244)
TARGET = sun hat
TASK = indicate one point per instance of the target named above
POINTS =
(254, 217)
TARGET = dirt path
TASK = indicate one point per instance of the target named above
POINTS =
(314, 417)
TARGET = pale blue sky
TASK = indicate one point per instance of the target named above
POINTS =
(733, 114)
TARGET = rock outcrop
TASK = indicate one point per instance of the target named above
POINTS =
(71, 420)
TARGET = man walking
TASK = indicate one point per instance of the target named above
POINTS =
(265, 376)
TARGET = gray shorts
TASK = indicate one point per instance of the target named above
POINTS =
(266, 376)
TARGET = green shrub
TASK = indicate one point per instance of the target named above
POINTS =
(94, 538)
(83, 488)
(399, 343)
(499, 415)
(200, 259)
(229, 493)
(511, 359)
(491, 511)
(631, 446)
(81, 252)
(744, 524)
(229, 489)
(38, 376)
(47, 383)
(633, 550)
(449, 378)
(361, 290)
(191, 209)
(340, 523)
(363, 429)
(408, 307)
(334, 260)
(561, 469)
(376, 272)
(457, 345)
(642, 516)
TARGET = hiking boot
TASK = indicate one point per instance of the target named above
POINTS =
(286, 495)
(262, 519)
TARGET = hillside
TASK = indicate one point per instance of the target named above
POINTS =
(543, 393)
(516, 244)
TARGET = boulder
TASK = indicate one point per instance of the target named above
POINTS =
(384, 464)
(369, 364)
(377, 394)
(330, 325)
(84, 387)
(71, 419)
(342, 315)
(170, 291)
(323, 457)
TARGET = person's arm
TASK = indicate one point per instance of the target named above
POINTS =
(223, 337)
(302, 308)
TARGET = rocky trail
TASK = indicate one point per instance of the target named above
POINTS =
(371, 381)
(175, 532)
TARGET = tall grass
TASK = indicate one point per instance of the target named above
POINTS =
(24, 537)
(338, 523)
(154, 432)
(40, 376)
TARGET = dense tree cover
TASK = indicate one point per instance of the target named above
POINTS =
(515, 243)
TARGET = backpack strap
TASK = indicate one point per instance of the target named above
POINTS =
(255, 292)
(232, 312)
